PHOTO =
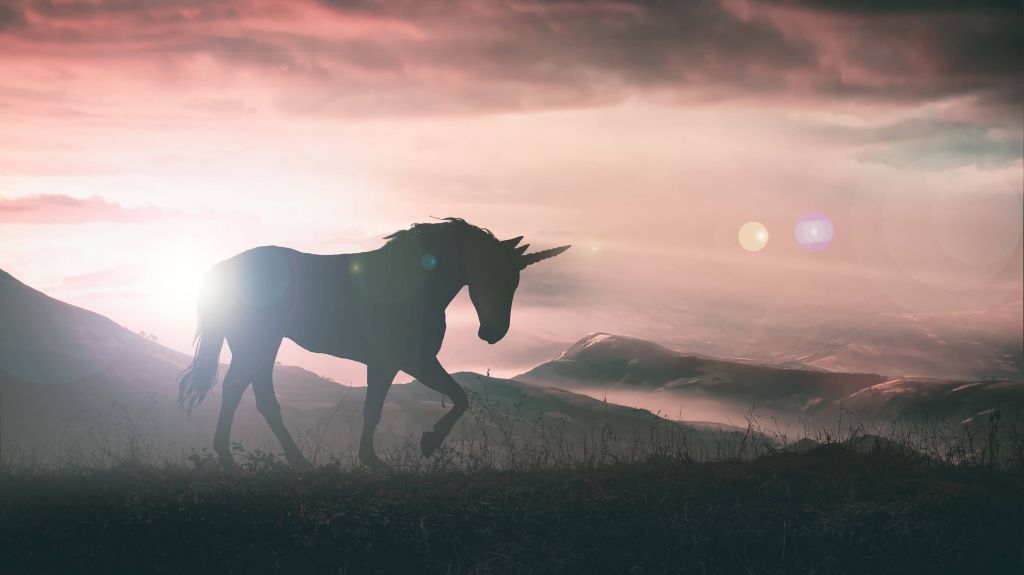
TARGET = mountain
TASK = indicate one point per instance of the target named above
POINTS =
(49, 342)
(46, 342)
(945, 345)
(639, 372)
(922, 399)
(76, 386)
(72, 379)
(612, 361)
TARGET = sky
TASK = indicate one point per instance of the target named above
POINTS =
(143, 141)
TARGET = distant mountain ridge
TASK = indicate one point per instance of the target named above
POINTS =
(626, 362)
(618, 363)
(936, 345)
(46, 341)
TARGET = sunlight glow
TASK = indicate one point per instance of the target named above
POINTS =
(176, 274)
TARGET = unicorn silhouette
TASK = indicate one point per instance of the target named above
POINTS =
(384, 308)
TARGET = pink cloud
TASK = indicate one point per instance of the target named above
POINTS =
(61, 209)
(385, 58)
(212, 105)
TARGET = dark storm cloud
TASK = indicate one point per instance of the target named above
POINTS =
(140, 11)
(10, 17)
(885, 7)
(878, 49)
(377, 57)
(569, 42)
(935, 48)
(370, 6)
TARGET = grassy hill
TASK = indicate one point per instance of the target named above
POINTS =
(602, 359)
(829, 510)
(79, 388)
(618, 364)
(99, 470)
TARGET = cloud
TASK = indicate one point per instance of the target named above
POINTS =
(870, 8)
(141, 13)
(943, 146)
(910, 48)
(61, 209)
(929, 143)
(10, 18)
(100, 281)
(365, 57)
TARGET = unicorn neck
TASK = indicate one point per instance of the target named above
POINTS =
(448, 276)
(436, 265)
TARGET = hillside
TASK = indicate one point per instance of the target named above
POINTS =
(612, 361)
(827, 511)
(919, 399)
(936, 345)
(75, 384)
(612, 364)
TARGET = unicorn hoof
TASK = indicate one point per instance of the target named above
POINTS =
(370, 459)
(229, 465)
(377, 467)
(380, 468)
(429, 443)
(301, 464)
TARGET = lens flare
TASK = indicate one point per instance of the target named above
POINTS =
(428, 262)
(753, 236)
(814, 231)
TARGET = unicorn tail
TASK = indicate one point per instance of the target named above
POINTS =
(199, 378)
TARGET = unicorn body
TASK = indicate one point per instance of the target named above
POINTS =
(384, 308)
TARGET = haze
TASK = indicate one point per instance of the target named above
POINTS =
(144, 141)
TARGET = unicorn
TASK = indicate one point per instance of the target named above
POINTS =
(384, 308)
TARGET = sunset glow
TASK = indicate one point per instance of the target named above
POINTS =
(176, 275)
(145, 141)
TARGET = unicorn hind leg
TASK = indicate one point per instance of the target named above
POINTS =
(266, 402)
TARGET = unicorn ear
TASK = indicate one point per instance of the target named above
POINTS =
(511, 243)
(535, 257)
(521, 249)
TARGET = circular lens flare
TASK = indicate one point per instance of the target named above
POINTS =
(753, 236)
(814, 231)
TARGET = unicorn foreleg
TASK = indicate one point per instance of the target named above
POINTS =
(267, 404)
(434, 376)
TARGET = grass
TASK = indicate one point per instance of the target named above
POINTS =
(831, 510)
(513, 493)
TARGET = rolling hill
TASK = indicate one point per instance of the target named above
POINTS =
(935, 345)
(627, 363)
(76, 386)
(633, 371)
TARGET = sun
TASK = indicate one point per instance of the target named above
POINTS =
(176, 274)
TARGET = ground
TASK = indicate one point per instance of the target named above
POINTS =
(827, 511)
